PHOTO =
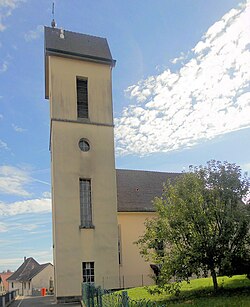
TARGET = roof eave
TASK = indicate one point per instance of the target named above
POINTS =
(71, 55)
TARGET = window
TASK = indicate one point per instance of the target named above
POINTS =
(82, 98)
(119, 245)
(84, 145)
(85, 203)
(12, 285)
(88, 272)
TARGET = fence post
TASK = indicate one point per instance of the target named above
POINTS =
(125, 299)
(92, 295)
(3, 301)
(99, 297)
(88, 294)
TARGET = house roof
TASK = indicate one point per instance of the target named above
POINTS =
(137, 189)
(27, 270)
(4, 276)
(77, 45)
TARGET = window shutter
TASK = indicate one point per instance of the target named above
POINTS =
(82, 98)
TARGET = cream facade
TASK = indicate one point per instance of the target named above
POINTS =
(75, 246)
(98, 212)
(44, 279)
(134, 271)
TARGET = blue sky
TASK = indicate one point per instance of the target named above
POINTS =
(181, 95)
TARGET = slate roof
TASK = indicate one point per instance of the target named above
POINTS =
(137, 189)
(77, 45)
(27, 270)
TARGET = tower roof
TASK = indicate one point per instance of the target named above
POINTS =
(72, 44)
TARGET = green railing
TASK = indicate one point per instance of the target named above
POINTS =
(96, 297)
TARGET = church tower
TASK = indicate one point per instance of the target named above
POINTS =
(78, 71)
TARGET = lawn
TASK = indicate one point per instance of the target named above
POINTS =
(234, 291)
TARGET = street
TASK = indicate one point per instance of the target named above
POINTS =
(37, 301)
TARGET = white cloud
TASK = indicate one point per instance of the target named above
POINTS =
(2, 27)
(13, 180)
(10, 262)
(3, 227)
(40, 205)
(4, 65)
(42, 256)
(47, 194)
(181, 58)
(246, 168)
(33, 34)
(11, 4)
(3, 145)
(6, 8)
(208, 96)
(18, 129)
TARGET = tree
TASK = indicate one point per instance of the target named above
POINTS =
(201, 226)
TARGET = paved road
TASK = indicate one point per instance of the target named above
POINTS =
(38, 301)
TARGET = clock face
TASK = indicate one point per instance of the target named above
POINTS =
(84, 145)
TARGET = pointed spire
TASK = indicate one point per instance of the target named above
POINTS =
(53, 23)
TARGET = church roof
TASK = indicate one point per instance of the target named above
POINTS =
(137, 189)
(72, 44)
(27, 270)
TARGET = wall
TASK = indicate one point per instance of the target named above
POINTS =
(73, 245)
(16, 285)
(2, 290)
(133, 267)
(42, 279)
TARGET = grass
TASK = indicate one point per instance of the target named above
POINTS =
(234, 291)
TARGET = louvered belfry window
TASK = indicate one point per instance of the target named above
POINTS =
(82, 98)
(85, 203)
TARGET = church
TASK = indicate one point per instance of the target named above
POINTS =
(98, 211)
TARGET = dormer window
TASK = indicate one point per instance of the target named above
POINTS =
(82, 98)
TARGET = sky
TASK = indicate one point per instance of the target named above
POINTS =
(181, 96)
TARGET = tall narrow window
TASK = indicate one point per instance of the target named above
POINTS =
(85, 203)
(82, 98)
(119, 245)
(88, 272)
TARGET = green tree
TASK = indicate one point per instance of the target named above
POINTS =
(201, 226)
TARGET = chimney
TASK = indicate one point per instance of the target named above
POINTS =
(24, 258)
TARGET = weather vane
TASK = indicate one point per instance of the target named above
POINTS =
(53, 23)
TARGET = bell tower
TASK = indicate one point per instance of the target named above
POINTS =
(78, 84)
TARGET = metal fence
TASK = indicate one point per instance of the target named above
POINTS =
(8, 297)
(96, 297)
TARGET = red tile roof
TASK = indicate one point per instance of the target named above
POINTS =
(4, 276)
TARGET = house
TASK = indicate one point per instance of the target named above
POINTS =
(4, 287)
(31, 276)
(98, 212)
